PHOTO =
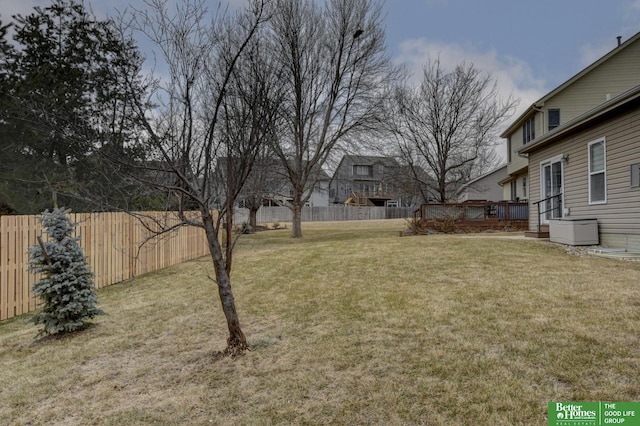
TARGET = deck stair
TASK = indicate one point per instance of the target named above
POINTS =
(542, 232)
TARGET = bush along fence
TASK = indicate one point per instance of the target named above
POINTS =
(119, 246)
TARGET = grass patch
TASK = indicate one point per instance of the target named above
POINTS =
(350, 325)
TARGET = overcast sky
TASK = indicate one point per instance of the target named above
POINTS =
(529, 46)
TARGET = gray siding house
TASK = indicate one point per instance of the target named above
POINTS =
(371, 177)
(485, 187)
(594, 162)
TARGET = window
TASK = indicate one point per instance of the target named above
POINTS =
(597, 172)
(514, 190)
(553, 116)
(509, 149)
(529, 130)
(524, 187)
(362, 170)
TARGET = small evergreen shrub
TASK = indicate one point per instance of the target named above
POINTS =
(66, 287)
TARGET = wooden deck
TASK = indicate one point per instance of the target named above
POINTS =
(474, 215)
(369, 198)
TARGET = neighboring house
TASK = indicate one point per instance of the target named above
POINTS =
(269, 185)
(485, 187)
(362, 179)
(593, 161)
(414, 185)
(614, 73)
(319, 192)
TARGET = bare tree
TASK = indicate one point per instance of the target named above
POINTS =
(264, 183)
(334, 64)
(249, 113)
(211, 111)
(447, 127)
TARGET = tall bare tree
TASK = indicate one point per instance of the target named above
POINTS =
(447, 127)
(249, 117)
(212, 112)
(334, 65)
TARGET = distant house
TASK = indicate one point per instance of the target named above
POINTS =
(594, 160)
(268, 185)
(612, 74)
(485, 187)
(318, 193)
(363, 179)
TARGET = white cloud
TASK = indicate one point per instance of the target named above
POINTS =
(514, 76)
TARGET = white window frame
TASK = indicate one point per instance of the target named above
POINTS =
(359, 168)
(545, 206)
(591, 173)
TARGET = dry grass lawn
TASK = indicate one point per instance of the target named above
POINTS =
(350, 325)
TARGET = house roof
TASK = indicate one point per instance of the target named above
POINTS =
(365, 160)
(540, 102)
(600, 112)
(496, 170)
(514, 175)
(370, 159)
(323, 176)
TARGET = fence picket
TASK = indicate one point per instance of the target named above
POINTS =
(109, 240)
(4, 270)
(325, 213)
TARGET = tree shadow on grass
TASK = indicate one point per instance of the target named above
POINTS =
(64, 336)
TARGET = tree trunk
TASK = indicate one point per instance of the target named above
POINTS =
(442, 188)
(236, 343)
(296, 228)
(228, 239)
(253, 217)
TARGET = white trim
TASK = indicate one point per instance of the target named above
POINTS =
(553, 159)
(602, 140)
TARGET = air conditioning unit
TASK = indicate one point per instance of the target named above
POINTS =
(574, 231)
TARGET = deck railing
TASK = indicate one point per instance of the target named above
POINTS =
(474, 211)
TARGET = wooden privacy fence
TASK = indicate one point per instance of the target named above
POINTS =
(118, 246)
(325, 213)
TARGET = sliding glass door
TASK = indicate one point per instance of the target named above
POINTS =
(551, 185)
